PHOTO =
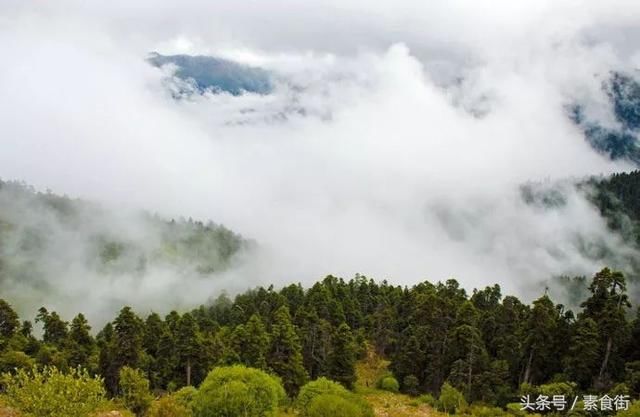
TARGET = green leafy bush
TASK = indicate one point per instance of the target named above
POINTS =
(238, 391)
(389, 383)
(451, 399)
(325, 387)
(633, 411)
(184, 396)
(12, 360)
(168, 406)
(330, 405)
(427, 399)
(51, 393)
(134, 390)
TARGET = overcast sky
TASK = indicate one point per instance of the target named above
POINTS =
(420, 120)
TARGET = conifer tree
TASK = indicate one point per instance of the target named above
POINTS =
(252, 341)
(582, 358)
(342, 359)
(187, 344)
(81, 344)
(285, 354)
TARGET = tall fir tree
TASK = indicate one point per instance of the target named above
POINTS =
(342, 360)
(285, 354)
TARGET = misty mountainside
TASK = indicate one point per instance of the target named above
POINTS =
(207, 73)
(617, 198)
(621, 142)
(45, 238)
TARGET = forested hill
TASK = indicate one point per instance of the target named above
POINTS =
(485, 347)
(53, 247)
(618, 198)
(620, 140)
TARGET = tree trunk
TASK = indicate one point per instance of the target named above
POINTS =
(469, 377)
(188, 372)
(605, 361)
(527, 372)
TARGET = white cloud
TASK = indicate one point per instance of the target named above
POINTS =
(362, 181)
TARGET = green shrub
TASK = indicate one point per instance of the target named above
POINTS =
(184, 396)
(515, 409)
(330, 405)
(427, 399)
(633, 411)
(451, 399)
(568, 389)
(134, 390)
(389, 383)
(324, 386)
(12, 360)
(51, 393)
(238, 391)
(168, 406)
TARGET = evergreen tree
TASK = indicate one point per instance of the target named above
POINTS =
(81, 343)
(285, 354)
(252, 341)
(581, 363)
(342, 360)
(541, 333)
(607, 307)
(55, 330)
(9, 323)
(187, 343)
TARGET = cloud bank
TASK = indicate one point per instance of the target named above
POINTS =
(393, 145)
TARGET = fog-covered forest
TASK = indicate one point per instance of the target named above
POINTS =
(332, 208)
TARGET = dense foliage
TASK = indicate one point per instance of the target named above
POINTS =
(51, 393)
(238, 391)
(486, 346)
(314, 397)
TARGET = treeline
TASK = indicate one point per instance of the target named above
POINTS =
(482, 343)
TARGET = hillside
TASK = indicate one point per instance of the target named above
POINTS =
(54, 248)
(620, 141)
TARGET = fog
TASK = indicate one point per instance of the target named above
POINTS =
(393, 145)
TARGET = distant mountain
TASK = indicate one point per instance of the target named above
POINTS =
(617, 198)
(207, 73)
(44, 235)
(623, 91)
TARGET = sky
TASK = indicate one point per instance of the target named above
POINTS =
(393, 145)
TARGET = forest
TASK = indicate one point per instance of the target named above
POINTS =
(351, 348)
(459, 352)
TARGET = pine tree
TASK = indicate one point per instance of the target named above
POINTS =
(166, 357)
(607, 306)
(342, 359)
(541, 333)
(9, 323)
(252, 343)
(285, 354)
(128, 334)
(581, 363)
(316, 336)
(81, 343)
(107, 361)
(55, 329)
(187, 343)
